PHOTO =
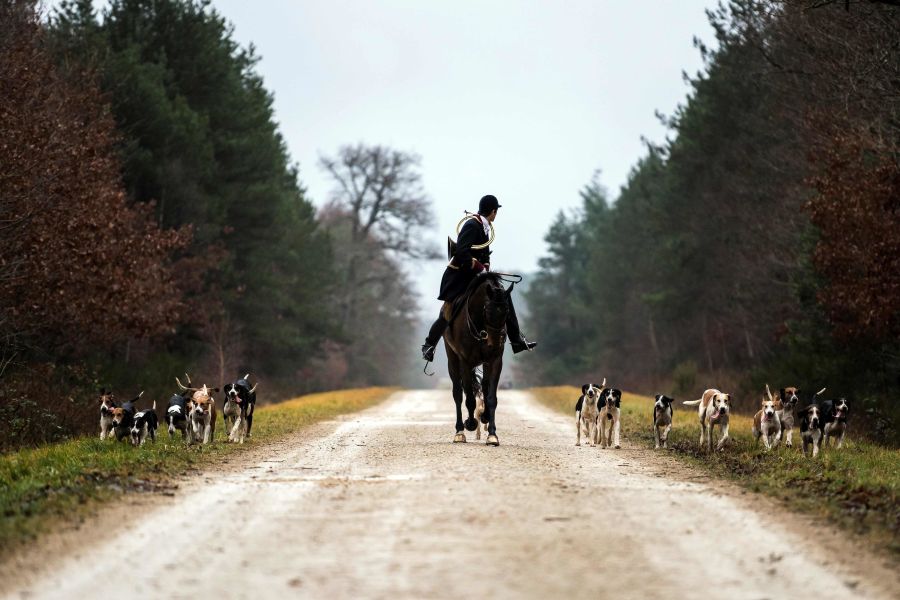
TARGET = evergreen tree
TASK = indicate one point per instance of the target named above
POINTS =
(199, 139)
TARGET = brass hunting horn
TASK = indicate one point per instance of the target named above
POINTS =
(451, 245)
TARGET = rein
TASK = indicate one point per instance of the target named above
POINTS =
(508, 277)
(481, 335)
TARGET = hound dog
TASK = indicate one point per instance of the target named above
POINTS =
(202, 413)
(766, 424)
(608, 419)
(811, 424)
(586, 411)
(123, 418)
(240, 400)
(177, 416)
(834, 415)
(144, 425)
(662, 419)
(713, 409)
(107, 404)
(785, 404)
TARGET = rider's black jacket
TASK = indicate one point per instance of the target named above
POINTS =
(460, 271)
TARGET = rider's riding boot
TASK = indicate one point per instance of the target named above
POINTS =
(518, 341)
(522, 345)
(434, 336)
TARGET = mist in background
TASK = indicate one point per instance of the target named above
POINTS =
(524, 100)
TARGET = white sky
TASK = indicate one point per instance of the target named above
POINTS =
(522, 99)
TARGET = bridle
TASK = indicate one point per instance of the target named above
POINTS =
(482, 335)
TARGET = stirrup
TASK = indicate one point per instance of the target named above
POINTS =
(428, 352)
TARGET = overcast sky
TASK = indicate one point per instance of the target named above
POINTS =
(521, 99)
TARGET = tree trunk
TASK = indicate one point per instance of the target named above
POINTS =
(653, 342)
(724, 342)
(709, 359)
(221, 351)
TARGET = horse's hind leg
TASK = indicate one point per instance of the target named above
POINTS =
(453, 364)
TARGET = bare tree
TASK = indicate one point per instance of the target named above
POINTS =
(377, 216)
(381, 192)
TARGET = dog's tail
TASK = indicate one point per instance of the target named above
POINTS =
(154, 405)
(692, 402)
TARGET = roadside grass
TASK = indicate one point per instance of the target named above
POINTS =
(856, 487)
(39, 487)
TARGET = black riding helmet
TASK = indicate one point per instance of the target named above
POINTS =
(488, 204)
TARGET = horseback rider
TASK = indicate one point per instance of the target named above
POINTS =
(472, 256)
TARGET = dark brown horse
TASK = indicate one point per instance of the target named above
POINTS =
(476, 337)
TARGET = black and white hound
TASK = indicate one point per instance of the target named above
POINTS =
(240, 401)
(144, 425)
(107, 404)
(835, 414)
(177, 416)
(586, 412)
(662, 419)
(608, 420)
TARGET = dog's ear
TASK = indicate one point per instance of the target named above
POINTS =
(728, 398)
(781, 394)
(585, 387)
(215, 389)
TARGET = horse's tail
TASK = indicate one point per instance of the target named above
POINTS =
(476, 379)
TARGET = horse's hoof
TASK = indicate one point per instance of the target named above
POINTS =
(459, 438)
(492, 440)
(471, 424)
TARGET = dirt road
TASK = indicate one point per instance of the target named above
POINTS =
(381, 505)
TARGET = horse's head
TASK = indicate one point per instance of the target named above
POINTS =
(496, 306)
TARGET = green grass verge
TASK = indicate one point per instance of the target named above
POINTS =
(41, 486)
(855, 487)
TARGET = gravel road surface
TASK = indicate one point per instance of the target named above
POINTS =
(380, 504)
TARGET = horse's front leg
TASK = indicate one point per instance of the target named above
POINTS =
(491, 379)
(471, 402)
(453, 364)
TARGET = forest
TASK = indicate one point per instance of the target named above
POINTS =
(758, 244)
(153, 222)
